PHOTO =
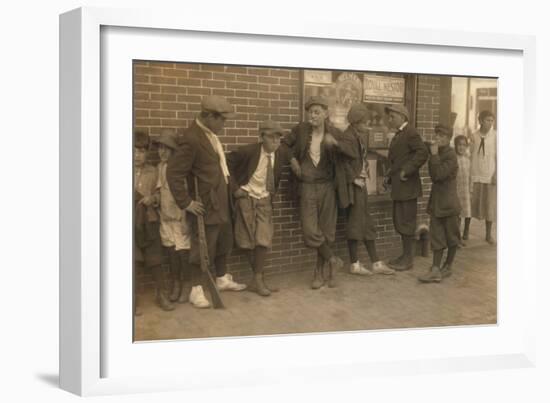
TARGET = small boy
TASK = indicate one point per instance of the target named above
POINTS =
(147, 244)
(256, 171)
(175, 232)
(443, 205)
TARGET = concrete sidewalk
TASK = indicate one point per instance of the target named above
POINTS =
(468, 297)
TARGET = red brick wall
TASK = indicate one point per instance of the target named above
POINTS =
(427, 116)
(169, 95)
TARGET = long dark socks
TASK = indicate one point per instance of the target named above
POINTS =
(219, 264)
(260, 253)
(352, 248)
(324, 251)
(371, 249)
(466, 233)
(451, 252)
(438, 255)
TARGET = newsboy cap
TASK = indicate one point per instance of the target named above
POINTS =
(217, 104)
(141, 139)
(271, 126)
(357, 113)
(441, 128)
(399, 109)
(168, 138)
(316, 100)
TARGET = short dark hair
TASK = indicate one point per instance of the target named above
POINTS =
(460, 137)
(485, 114)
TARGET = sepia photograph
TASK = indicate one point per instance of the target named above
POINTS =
(276, 200)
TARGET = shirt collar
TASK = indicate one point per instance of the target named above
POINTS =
(264, 153)
(489, 133)
(204, 128)
(403, 126)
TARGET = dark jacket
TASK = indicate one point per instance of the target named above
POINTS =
(408, 153)
(443, 169)
(242, 164)
(354, 165)
(299, 140)
(195, 157)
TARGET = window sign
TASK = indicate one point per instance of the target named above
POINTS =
(383, 89)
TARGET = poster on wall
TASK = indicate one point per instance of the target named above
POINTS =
(318, 77)
(349, 88)
(383, 89)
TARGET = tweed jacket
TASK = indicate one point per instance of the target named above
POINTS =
(195, 157)
(408, 153)
(443, 169)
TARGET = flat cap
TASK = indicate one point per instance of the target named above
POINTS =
(399, 109)
(271, 126)
(168, 138)
(141, 139)
(441, 128)
(357, 113)
(316, 100)
(218, 104)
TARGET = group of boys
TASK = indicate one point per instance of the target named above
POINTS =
(237, 191)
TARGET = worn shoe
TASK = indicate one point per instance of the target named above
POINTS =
(358, 268)
(226, 283)
(403, 265)
(270, 287)
(490, 240)
(260, 287)
(197, 298)
(335, 264)
(396, 260)
(176, 291)
(446, 271)
(184, 294)
(318, 280)
(163, 302)
(432, 276)
(381, 268)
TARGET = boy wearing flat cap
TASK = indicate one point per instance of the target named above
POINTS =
(200, 155)
(317, 161)
(360, 225)
(256, 172)
(175, 232)
(407, 153)
(443, 205)
(147, 244)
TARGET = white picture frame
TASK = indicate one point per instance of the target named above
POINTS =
(87, 347)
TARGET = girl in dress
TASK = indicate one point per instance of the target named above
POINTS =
(484, 173)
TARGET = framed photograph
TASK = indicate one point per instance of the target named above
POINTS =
(157, 114)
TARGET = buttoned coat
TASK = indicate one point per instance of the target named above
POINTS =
(443, 169)
(407, 153)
